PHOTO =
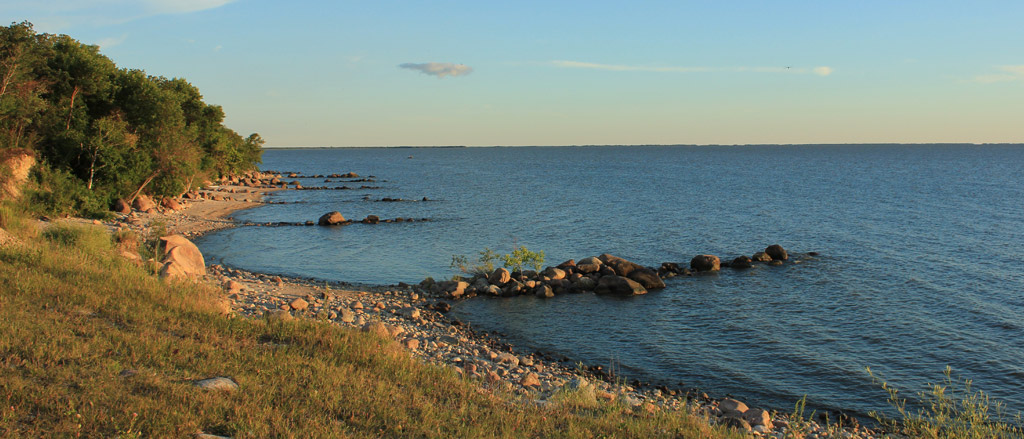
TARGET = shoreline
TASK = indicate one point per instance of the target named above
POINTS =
(419, 325)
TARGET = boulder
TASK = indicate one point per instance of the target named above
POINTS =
(499, 277)
(299, 304)
(170, 203)
(647, 278)
(758, 417)
(705, 263)
(371, 219)
(621, 266)
(223, 384)
(15, 165)
(553, 273)
(454, 288)
(181, 258)
(121, 206)
(776, 252)
(331, 218)
(378, 328)
(567, 265)
(761, 257)
(741, 262)
(492, 290)
(143, 203)
(543, 291)
(618, 285)
(730, 406)
(530, 380)
(586, 283)
(591, 260)
(588, 268)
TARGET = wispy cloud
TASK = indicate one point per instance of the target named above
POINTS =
(107, 43)
(59, 15)
(821, 70)
(1006, 73)
(439, 69)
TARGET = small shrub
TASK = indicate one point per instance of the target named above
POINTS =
(523, 257)
(484, 263)
(950, 409)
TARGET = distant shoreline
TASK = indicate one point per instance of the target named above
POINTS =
(668, 145)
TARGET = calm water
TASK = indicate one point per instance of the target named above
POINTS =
(919, 267)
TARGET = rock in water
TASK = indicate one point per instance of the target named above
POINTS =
(499, 277)
(776, 252)
(331, 218)
(741, 262)
(371, 219)
(619, 285)
(647, 278)
(761, 257)
(621, 266)
(544, 292)
(705, 263)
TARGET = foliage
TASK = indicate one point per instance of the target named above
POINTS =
(56, 192)
(118, 131)
(950, 409)
(93, 346)
(523, 257)
(484, 263)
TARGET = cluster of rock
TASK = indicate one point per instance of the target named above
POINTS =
(604, 274)
(337, 219)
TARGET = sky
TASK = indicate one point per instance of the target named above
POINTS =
(476, 73)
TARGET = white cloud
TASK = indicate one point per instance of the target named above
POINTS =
(60, 15)
(439, 69)
(823, 71)
(1007, 73)
(107, 43)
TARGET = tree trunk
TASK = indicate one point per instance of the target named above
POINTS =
(71, 107)
(144, 183)
(92, 166)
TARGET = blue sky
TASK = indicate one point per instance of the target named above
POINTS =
(386, 73)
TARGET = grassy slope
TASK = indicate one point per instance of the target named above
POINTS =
(73, 316)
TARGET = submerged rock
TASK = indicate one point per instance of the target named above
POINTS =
(705, 263)
(741, 262)
(776, 252)
(648, 278)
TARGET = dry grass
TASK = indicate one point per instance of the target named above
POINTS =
(95, 347)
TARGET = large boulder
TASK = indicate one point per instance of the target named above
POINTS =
(591, 260)
(588, 268)
(331, 218)
(499, 277)
(553, 273)
(586, 283)
(544, 291)
(143, 203)
(122, 206)
(705, 263)
(647, 278)
(14, 167)
(170, 203)
(741, 262)
(181, 258)
(618, 285)
(776, 252)
(621, 266)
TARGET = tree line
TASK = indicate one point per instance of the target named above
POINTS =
(103, 132)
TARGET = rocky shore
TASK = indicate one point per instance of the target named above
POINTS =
(415, 315)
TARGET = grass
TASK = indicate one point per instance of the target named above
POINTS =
(93, 346)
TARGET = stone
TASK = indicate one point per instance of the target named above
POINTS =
(15, 164)
(567, 265)
(411, 344)
(508, 358)
(492, 290)
(647, 278)
(223, 384)
(299, 304)
(499, 277)
(776, 252)
(170, 203)
(331, 219)
(761, 257)
(586, 283)
(589, 261)
(741, 262)
(232, 286)
(621, 266)
(371, 219)
(729, 405)
(122, 206)
(736, 423)
(544, 291)
(530, 380)
(588, 268)
(758, 417)
(378, 328)
(181, 258)
(553, 273)
(143, 203)
(411, 313)
(347, 316)
(454, 289)
(619, 285)
(705, 263)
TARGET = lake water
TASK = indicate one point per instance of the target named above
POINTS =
(919, 262)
